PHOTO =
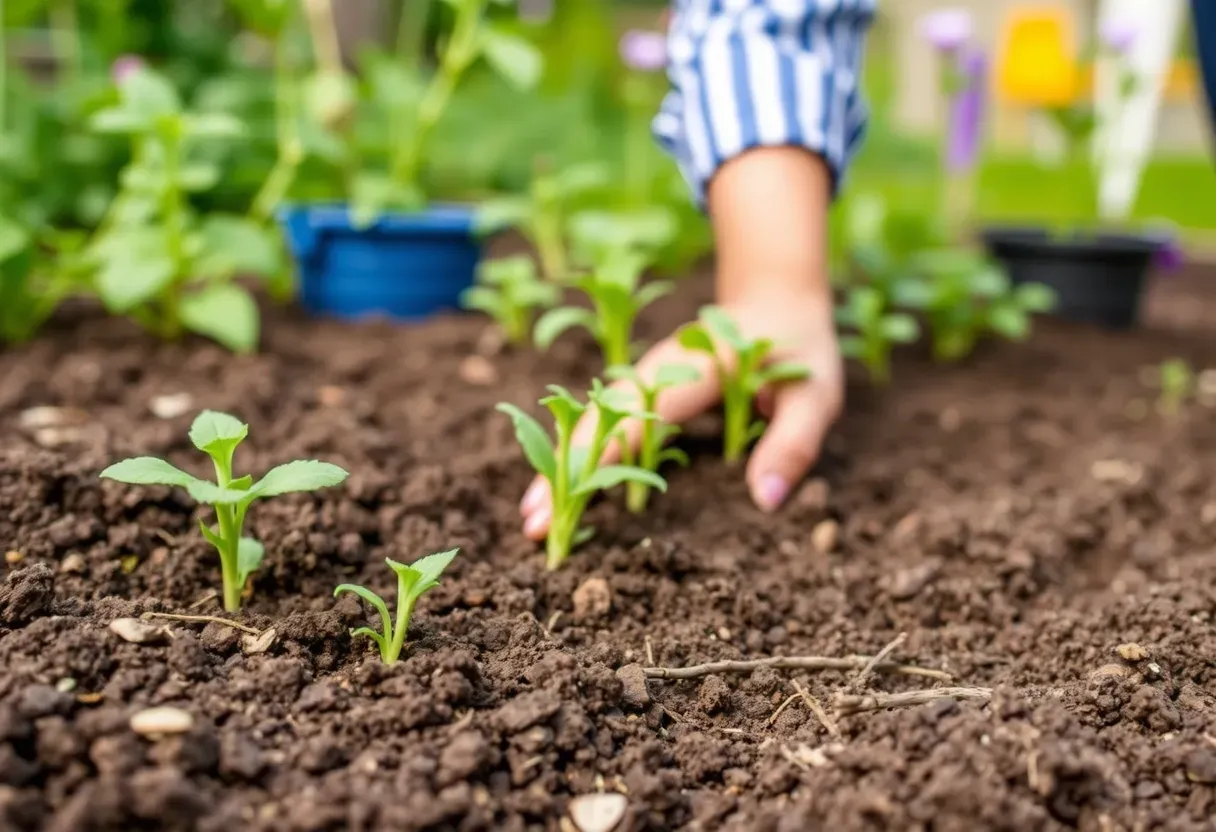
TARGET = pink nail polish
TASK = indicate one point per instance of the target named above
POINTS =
(538, 524)
(771, 491)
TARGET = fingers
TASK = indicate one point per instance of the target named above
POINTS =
(675, 406)
(802, 415)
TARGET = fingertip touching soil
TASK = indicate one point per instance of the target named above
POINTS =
(1040, 533)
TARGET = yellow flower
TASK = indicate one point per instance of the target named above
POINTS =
(1037, 62)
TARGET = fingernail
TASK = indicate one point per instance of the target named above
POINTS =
(771, 491)
(532, 497)
(537, 525)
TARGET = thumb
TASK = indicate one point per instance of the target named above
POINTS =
(802, 415)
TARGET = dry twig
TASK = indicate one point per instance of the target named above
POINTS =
(794, 663)
(818, 710)
(203, 619)
(864, 676)
(845, 704)
(781, 708)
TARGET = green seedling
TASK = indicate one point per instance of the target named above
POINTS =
(743, 368)
(651, 452)
(218, 435)
(542, 214)
(965, 296)
(509, 291)
(617, 296)
(412, 581)
(574, 473)
(876, 331)
(1176, 383)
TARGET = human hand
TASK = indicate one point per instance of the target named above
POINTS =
(801, 412)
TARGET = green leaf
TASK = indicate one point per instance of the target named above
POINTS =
(533, 439)
(784, 371)
(1035, 297)
(13, 238)
(148, 470)
(149, 95)
(117, 120)
(224, 312)
(376, 601)
(482, 298)
(561, 403)
(368, 632)
(610, 476)
(249, 555)
(556, 321)
(651, 292)
(852, 346)
(233, 244)
(423, 574)
(515, 59)
(136, 267)
(718, 322)
(582, 535)
(432, 566)
(374, 193)
(674, 455)
(1009, 321)
(199, 176)
(212, 538)
(213, 432)
(300, 475)
(502, 213)
(214, 126)
(989, 282)
(581, 178)
(901, 329)
(329, 96)
(694, 337)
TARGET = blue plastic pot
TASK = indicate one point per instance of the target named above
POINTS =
(403, 266)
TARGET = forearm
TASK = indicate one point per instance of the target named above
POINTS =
(769, 209)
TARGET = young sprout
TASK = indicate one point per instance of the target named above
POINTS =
(742, 378)
(877, 330)
(964, 296)
(217, 435)
(651, 452)
(412, 581)
(1176, 380)
(508, 291)
(617, 298)
(574, 473)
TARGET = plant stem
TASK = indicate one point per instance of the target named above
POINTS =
(324, 34)
(550, 243)
(405, 607)
(3, 74)
(637, 494)
(736, 412)
(230, 535)
(411, 31)
(64, 32)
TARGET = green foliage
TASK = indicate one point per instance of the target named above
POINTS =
(1176, 383)
(875, 330)
(651, 452)
(542, 214)
(617, 295)
(574, 473)
(412, 581)
(509, 290)
(218, 435)
(964, 296)
(743, 368)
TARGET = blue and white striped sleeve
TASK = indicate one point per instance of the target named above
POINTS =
(762, 73)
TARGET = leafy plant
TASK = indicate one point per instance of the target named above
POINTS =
(574, 473)
(543, 213)
(412, 581)
(876, 330)
(508, 290)
(1176, 383)
(655, 434)
(964, 296)
(743, 370)
(155, 258)
(617, 296)
(218, 435)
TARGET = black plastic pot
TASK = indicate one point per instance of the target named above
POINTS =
(1097, 279)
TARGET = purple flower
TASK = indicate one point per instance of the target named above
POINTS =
(1118, 33)
(124, 67)
(946, 29)
(644, 51)
(967, 113)
(1170, 255)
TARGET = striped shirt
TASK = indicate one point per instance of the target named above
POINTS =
(759, 73)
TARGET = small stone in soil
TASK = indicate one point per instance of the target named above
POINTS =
(73, 564)
(824, 536)
(48, 416)
(138, 632)
(171, 405)
(1116, 671)
(477, 371)
(161, 721)
(1201, 766)
(13, 557)
(598, 812)
(633, 680)
(1132, 652)
(259, 643)
(813, 496)
(592, 599)
(330, 395)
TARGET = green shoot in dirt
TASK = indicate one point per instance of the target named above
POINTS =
(743, 369)
(655, 434)
(542, 213)
(217, 435)
(508, 290)
(574, 473)
(964, 296)
(615, 290)
(876, 331)
(1176, 383)
(412, 581)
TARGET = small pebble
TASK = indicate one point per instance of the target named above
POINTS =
(1116, 470)
(950, 419)
(171, 406)
(825, 535)
(1112, 671)
(134, 631)
(478, 371)
(633, 680)
(814, 495)
(48, 416)
(73, 564)
(12, 557)
(260, 643)
(597, 812)
(330, 395)
(592, 599)
(1132, 652)
(57, 437)
(157, 722)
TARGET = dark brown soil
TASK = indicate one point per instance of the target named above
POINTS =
(1019, 516)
